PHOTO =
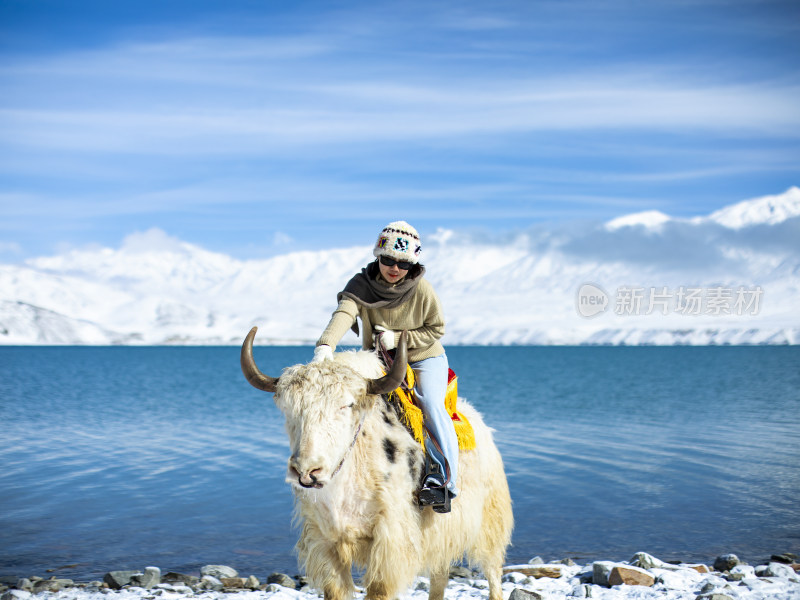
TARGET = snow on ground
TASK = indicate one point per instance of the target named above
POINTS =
(775, 581)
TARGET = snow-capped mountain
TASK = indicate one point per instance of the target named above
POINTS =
(768, 210)
(647, 278)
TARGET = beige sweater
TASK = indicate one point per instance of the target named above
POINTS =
(421, 315)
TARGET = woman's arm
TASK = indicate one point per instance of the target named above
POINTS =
(342, 319)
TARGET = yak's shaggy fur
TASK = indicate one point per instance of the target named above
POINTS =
(365, 514)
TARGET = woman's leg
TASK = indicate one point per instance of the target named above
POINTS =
(431, 387)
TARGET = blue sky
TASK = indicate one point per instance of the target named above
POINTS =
(256, 128)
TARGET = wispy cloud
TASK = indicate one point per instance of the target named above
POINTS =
(527, 110)
(238, 101)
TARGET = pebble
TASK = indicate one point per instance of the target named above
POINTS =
(172, 577)
(282, 580)
(731, 580)
(151, 577)
(520, 594)
(601, 569)
(209, 582)
(116, 580)
(457, 571)
(726, 562)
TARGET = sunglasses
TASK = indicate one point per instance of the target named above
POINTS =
(403, 265)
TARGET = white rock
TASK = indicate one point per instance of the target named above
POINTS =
(759, 585)
(581, 591)
(745, 570)
(150, 577)
(212, 583)
(16, 595)
(714, 581)
(219, 571)
(480, 584)
(775, 569)
(684, 579)
(644, 560)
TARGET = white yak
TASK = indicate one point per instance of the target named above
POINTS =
(355, 470)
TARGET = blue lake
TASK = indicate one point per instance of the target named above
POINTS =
(124, 457)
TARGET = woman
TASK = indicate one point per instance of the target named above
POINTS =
(391, 295)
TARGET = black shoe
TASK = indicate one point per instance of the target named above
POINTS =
(437, 497)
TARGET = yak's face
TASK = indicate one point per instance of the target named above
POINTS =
(323, 404)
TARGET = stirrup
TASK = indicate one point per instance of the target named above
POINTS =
(434, 492)
(438, 498)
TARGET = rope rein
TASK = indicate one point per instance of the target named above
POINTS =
(387, 361)
(350, 448)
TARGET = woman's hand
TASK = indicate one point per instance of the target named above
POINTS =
(385, 337)
(322, 352)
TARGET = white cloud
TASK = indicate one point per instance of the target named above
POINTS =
(280, 239)
(359, 112)
(10, 248)
(151, 240)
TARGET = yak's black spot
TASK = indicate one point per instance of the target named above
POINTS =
(414, 466)
(396, 407)
(387, 419)
(390, 448)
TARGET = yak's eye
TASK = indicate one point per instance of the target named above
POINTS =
(351, 405)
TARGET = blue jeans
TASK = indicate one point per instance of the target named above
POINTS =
(431, 387)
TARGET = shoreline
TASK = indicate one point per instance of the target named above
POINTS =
(643, 576)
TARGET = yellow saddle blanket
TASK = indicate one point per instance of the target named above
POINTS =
(412, 414)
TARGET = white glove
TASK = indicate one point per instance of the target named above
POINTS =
(386, 337)
(322, 352)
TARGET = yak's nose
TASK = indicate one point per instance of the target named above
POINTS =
(305, 476)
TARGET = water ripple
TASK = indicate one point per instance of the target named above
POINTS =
(174, 460)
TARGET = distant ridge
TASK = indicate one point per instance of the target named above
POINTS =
(732, 277)
(768, 210)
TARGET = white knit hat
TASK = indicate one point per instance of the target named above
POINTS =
(400, 241)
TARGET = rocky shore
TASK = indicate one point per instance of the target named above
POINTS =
(642, 577)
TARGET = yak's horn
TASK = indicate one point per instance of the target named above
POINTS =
(391, 381)
(256, 378)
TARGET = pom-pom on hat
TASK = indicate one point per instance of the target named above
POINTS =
(400, 241)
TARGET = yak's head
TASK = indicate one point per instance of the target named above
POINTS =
(324, 404)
